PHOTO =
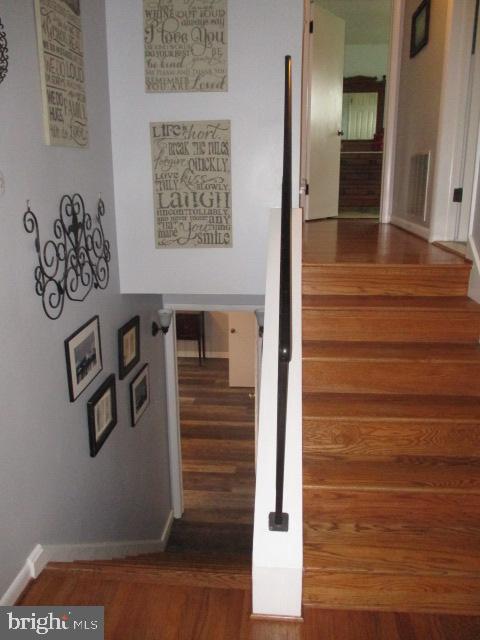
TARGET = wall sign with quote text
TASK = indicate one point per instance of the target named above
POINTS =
(60, 45)
(186, 45)
(192, 184)
(3, 53)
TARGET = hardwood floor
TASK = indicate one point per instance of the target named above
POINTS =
(144, 609)
(391, 370)
(218, 453)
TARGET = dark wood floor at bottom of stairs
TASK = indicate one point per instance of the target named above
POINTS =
(136, 611)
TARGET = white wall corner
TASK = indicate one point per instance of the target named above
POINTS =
(41, 555)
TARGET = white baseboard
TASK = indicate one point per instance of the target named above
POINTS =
(413, 227)
(43, 554)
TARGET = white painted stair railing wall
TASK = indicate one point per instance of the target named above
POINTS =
(278, 556)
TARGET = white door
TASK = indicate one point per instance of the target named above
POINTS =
(325, 121)
(242, 329)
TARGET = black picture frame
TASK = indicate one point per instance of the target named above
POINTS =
(139, 394)
(83, 354)
(102, 414)
(126, 334)
(420, 28)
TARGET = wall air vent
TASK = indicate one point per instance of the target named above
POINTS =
(418, 186)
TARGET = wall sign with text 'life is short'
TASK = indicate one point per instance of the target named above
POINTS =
(60, 48)
(186, 45)
(192, 184)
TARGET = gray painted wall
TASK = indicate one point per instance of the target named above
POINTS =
(260, 34)
(51, 491)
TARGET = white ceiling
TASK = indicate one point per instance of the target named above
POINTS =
(366, 21)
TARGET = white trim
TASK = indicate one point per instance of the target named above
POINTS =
(417, 229)
(451, 126)
(41, 555)
(305, 107)
(19, 583)
(391, 110)
(173, 417)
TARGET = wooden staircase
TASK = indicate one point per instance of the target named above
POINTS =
(391, 371)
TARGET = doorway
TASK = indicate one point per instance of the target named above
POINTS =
(215, 378)
(346, 57)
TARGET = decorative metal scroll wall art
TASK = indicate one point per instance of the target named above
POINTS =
(75, 261)
(3, 53)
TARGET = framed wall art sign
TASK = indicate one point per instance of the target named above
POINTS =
(3, 53)
(192, 184)
(84, 357)
(60, 48)
(139, 394)
(102, 414)
(420, 28)
(186, 45)
(128, 346)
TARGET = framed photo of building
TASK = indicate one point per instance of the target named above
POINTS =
(83, 354)
(128, 346)
(139, 394)
(102, 414)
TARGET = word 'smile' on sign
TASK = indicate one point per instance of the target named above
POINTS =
(60, 44)
(192, 184)
(186, 45)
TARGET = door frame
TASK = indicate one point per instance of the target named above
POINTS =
(453, 120)
(172, 399)
(391, 108)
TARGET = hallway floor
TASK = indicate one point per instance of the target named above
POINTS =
(218, 453)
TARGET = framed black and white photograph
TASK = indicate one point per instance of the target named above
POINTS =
(139, 394)
(420, 28)
(102, 414)
(84, 357)
(128, 347)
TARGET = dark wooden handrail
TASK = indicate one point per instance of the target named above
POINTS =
(278, 520)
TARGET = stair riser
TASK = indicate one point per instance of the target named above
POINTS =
(391, 325)
(428, 594)
(393, 377)
(379, 438)
(421, 280)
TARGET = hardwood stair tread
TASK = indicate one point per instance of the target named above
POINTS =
(426, 352)
(435, 303)
(373, 406)
(427, 473)
(159, 575)
(385, 436)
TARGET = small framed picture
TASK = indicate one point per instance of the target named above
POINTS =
(128, 346)
(83, 353)
(139, 394)
(102, 414)
(420, 27)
